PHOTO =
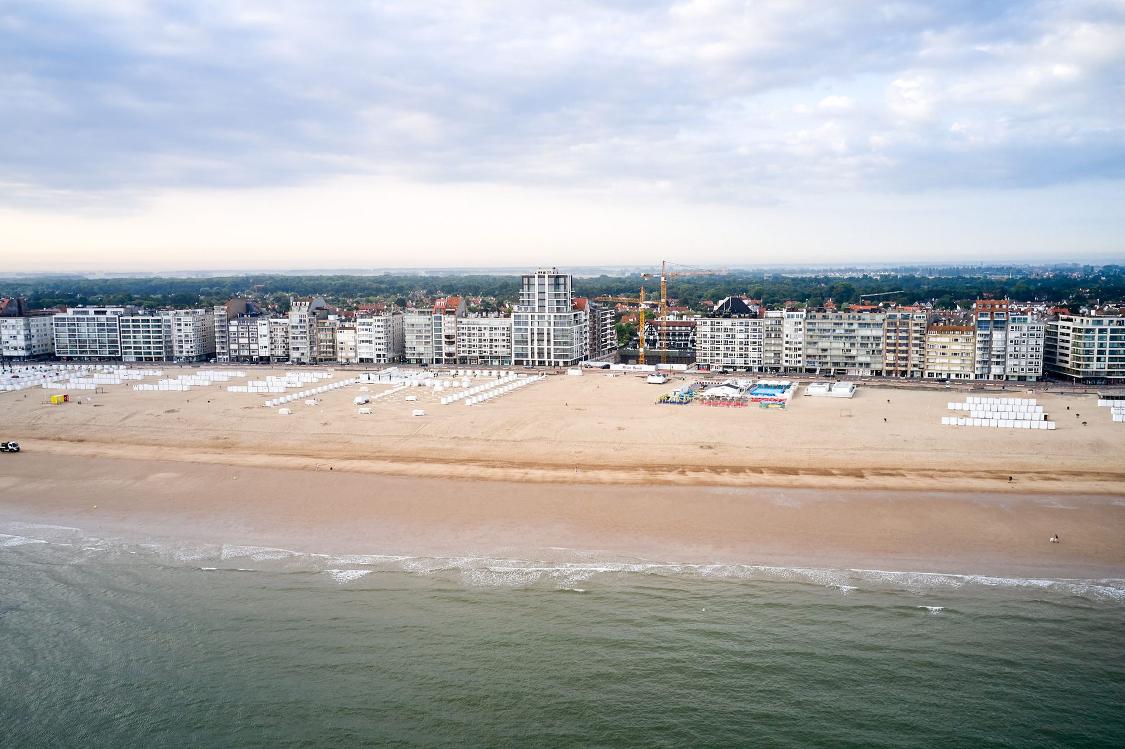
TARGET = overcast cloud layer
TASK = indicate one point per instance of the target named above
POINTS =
(105, 105)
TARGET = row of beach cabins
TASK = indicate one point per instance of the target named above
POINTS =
(998, 413)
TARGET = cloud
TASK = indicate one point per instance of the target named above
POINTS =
(713, 100)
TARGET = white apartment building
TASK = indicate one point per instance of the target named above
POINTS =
(146, 337)
(88, 333)
(219, 320)
(446, 315)
(739, 336)
(26, 337)
(1086, 348)
(991, 320)
(193, 334)
(485, 341)
(844, 343)
(729, 343)
(950, 352)
(547, 329)
(347, 351)
(222, 314)
(773, 341)
(418, 337)
(379, 338)
(793, 340)
(303, 315)
(249, 339)
(1025, 348)
(904, 342)
(278, 330)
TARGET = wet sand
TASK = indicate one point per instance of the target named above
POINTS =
(581, 465)
(340, 512)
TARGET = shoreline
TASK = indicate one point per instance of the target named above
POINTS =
(349, 513)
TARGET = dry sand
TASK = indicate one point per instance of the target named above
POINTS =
(826, 482)
(597, 430)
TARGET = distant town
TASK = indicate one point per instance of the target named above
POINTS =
(540, 320)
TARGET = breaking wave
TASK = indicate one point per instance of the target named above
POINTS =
(498, 572)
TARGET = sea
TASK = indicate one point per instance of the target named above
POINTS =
(108, 643)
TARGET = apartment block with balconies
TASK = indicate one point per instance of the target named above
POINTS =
(1086, 348)
(950, 352)
(844, 342)
(904, 342)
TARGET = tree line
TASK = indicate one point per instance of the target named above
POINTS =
(1072, 288)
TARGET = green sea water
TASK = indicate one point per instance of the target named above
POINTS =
(107, 644)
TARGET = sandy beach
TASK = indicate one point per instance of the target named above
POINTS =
(596, 429)
(581, 465)
(348, 513)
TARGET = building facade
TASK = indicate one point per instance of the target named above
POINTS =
(146, 337)
(602, 328)
(347, 340)
(1086, 348)
(484, 341)
(991, 320)
(793, 340)
(249, 337)
(324, 349)
(446, 314)
(304, 313)
(379, 338)
(88, 333)
(950, 352)
(278, 330)
(844, 342)
(1023, 359)
(904, 342)
(26, 337)
(418, 337)
(773, 341)
(671, 335)
(547, 328)
(730, 337)
(222, 314)
(729, 343)
(193, 334)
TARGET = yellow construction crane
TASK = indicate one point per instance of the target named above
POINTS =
(640, 302)
(662, 330)
(641, 330)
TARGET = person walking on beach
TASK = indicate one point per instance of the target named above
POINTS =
(1055, 539)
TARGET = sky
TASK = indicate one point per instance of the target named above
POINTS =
(140, 135)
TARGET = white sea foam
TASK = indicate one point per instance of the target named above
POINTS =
(346, 576)
(367, 558)
(572, 575)
(17, 540)
(193, 553)
(933, 609)
(257, 553)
